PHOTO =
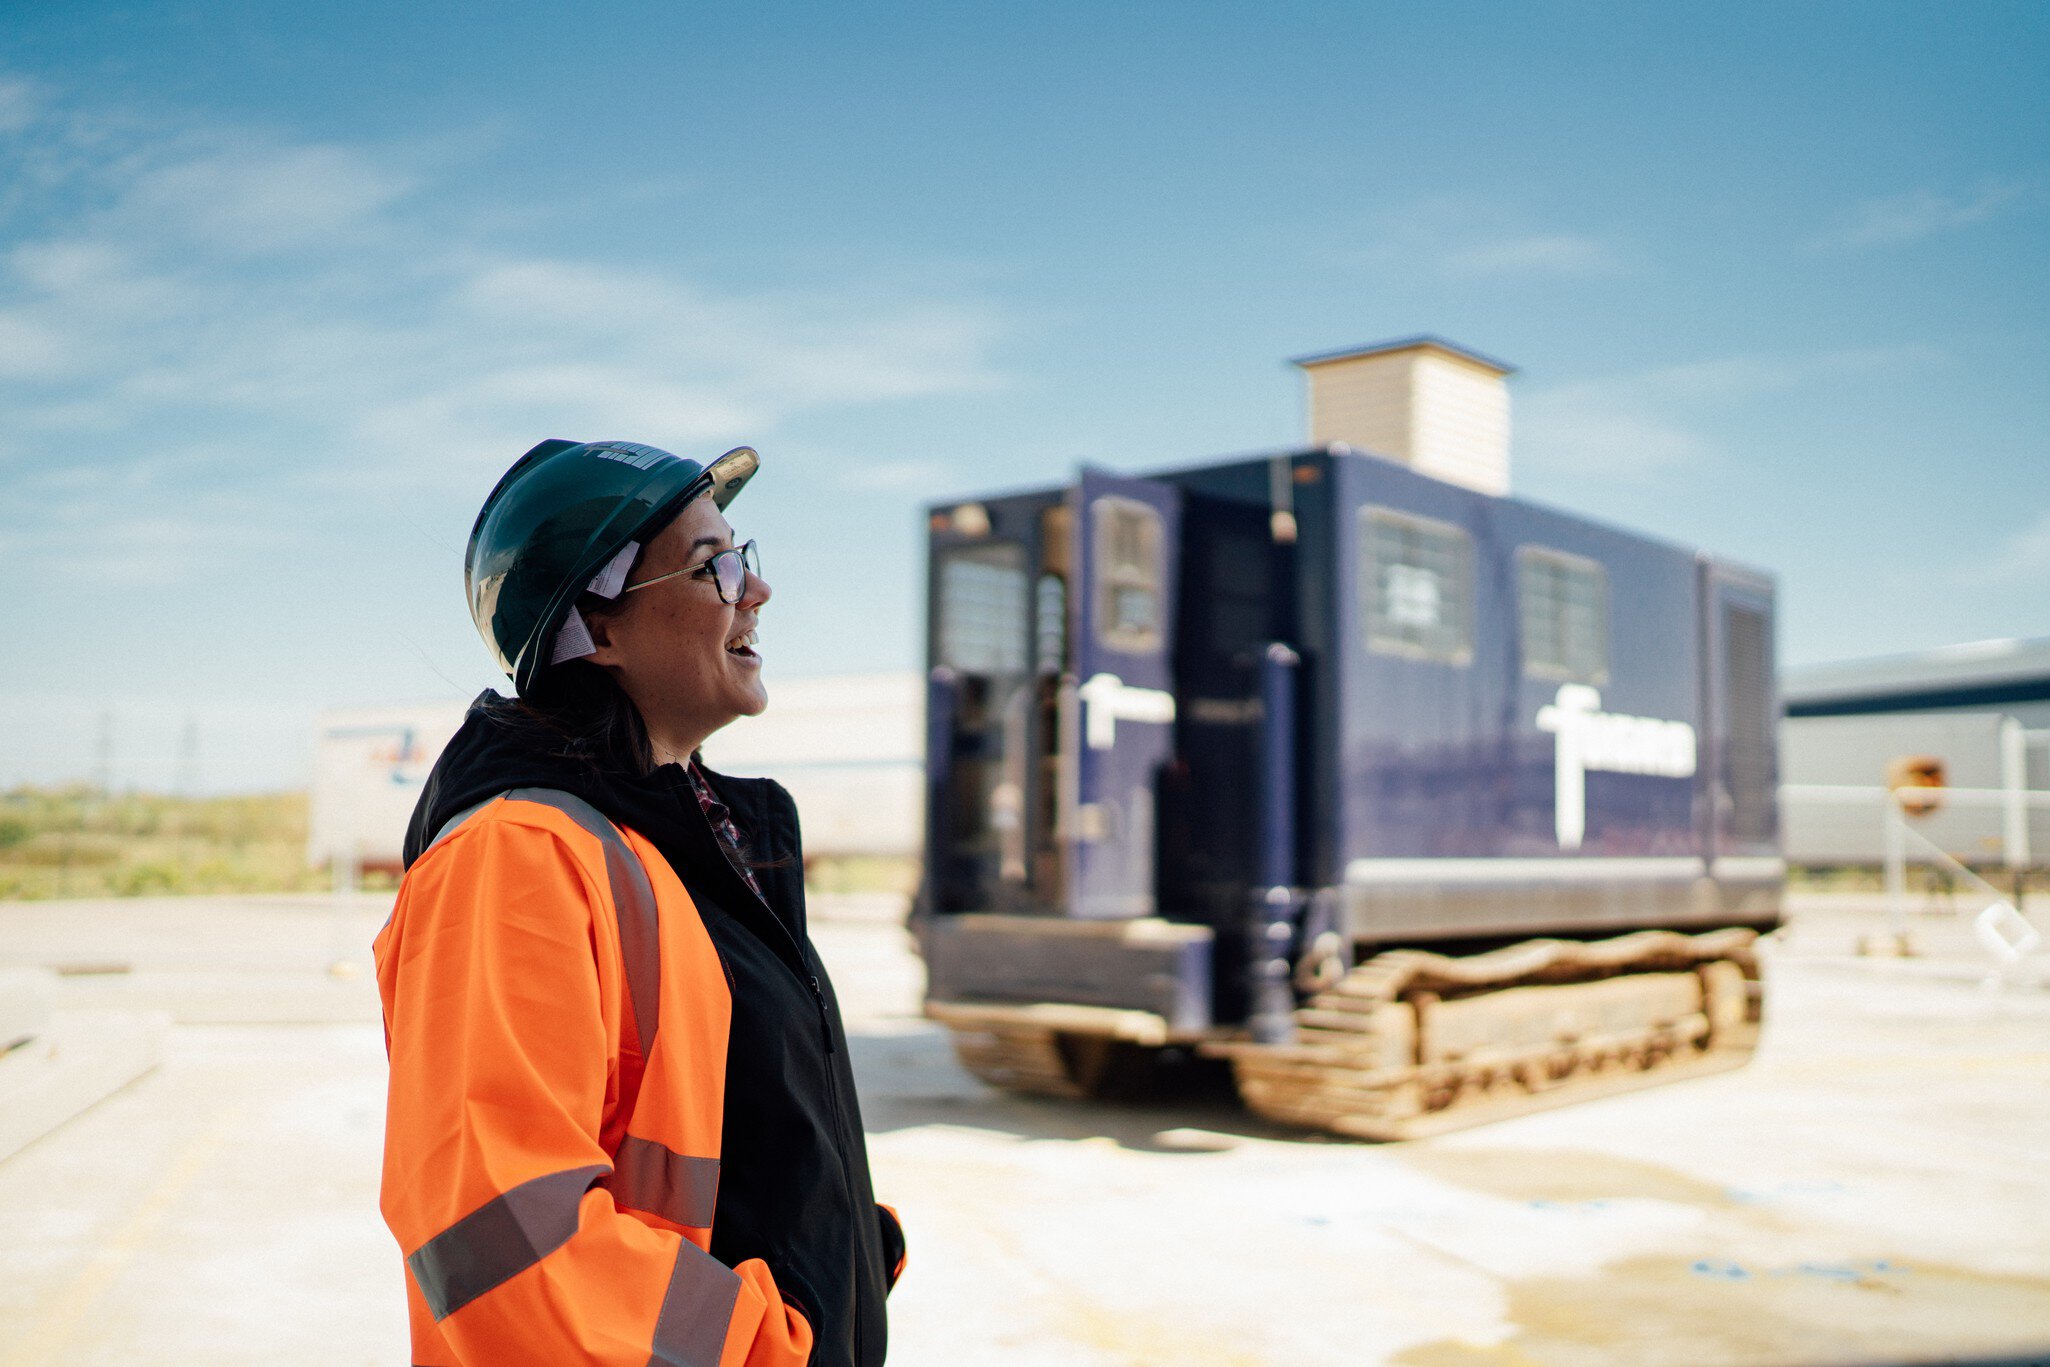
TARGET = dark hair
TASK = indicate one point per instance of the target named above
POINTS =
(577, 711)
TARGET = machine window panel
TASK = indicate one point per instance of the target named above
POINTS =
(1416, 585)
(1748, 724)
(1564, 608)
(983, 622)
(1129, 574)
(1050, 652)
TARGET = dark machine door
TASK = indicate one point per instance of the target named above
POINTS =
(978, 677)
(1740, 751)
(1118, 706)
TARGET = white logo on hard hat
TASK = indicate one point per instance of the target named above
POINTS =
(1591, 739)
(629, 453)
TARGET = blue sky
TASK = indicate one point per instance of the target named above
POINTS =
(283, 288)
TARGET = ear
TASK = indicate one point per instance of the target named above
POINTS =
(607, 648)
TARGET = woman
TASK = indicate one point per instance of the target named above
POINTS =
(622, 1126)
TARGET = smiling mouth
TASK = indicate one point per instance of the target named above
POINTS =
(743, 646)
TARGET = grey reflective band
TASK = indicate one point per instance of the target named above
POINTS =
(696, 1310)
(640, 940)
(512, 1233)
(448, 827)
(500, 1239)
(655, 1178)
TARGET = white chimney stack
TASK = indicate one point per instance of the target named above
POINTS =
(1436, 407)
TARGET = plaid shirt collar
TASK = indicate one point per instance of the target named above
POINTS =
(722, 824)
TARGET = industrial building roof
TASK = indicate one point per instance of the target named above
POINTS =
(1422, 339)
(1975, 674)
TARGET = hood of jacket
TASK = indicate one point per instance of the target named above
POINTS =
(501, 746)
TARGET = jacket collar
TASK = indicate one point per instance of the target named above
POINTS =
(496, 750)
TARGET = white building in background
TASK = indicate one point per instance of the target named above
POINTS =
(369, 765)
(850, 748)
(1981, 711)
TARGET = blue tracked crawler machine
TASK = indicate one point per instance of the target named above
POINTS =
(1421, 804)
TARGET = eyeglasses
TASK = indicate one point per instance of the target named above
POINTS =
(728, 570)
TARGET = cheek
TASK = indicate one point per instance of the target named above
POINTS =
(678, 643)
(699, 641)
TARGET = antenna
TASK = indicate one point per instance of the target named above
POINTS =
(185, 779)
(103, 754)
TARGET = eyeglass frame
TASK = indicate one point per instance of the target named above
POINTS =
(750, 563)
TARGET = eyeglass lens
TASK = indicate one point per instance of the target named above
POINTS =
(730, 570)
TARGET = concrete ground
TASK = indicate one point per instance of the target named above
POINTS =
(1872, 1189)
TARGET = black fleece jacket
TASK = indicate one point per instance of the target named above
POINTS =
(794, 1183)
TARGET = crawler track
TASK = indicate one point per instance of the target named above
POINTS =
(1016, 1060)
(1410, 1043)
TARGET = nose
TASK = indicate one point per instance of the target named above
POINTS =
(756, 592)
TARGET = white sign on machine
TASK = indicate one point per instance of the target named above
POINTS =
(1609, 742)
(1108, 700)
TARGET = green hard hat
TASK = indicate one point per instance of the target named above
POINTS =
(562, 513)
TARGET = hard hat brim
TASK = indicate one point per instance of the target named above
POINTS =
(732, 470)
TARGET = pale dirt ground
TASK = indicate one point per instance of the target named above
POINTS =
(1873, 1189)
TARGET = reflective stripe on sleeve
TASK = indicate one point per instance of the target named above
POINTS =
(657, 1179)
(634, 897)
(500, 1239)
(448, 827)
(697, 1309)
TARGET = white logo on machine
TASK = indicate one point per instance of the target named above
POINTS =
(1610, 742)
(1108, 700)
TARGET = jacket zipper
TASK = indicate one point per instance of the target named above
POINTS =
(818, 996)
(840, 1122)
(811, 980)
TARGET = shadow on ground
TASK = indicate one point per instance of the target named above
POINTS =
(911, 1078)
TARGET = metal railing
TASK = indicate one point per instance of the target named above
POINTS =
(1998, 925)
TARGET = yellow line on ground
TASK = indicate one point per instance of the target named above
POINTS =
(51, 1334)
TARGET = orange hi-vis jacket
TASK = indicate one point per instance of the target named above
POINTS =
(557, 1020)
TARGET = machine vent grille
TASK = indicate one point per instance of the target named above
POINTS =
(1748, 722)
(982, 608)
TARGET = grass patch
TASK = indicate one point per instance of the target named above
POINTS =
(80, 842)
(845, 873)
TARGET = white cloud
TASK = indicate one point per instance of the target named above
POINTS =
(31, 349)
(894, 476)
(1589, 429)
(251, 195)
(1893, 220)
(1750, 376)
(20, 101)
(195, 307)
(2021, 560)
(1641, 424)
(1535, 254)
(1472, 237)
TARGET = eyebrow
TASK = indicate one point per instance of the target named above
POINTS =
(704, 541)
